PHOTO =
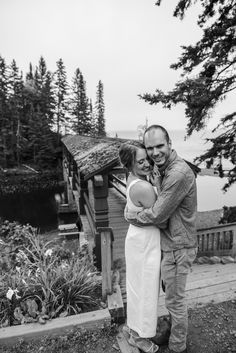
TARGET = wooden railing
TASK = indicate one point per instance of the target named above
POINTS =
(117, 184)
(218, 241)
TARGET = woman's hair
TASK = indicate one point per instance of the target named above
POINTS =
(127, 153)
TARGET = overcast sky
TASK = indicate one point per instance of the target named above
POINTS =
(128, 44)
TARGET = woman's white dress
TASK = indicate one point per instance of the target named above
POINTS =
(143, 259)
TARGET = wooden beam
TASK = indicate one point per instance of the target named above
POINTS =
(70, 235)
(116, 305)
(67, 227)
(91, 321)
(106, 252)
(98, 180)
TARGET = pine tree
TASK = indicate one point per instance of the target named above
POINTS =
(92, 118)
(48, 99)
(100, 111)
(214, 58)
(15, 103)
(46, 94)
(29, 75)
(80, 105)
(61, 98)
(42, 71)
(3, 113)
(40, 108)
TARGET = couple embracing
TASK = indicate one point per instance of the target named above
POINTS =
(161, 241)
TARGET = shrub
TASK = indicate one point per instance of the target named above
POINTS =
(41, 280)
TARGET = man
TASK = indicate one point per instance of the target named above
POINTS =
(176, 206)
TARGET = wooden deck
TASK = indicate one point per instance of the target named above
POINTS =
(206, 283)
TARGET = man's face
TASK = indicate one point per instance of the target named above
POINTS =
(157, 147)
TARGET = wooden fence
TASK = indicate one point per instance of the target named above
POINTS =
(217, 241)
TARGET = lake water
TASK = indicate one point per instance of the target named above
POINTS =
(39, 209)
(209, 189)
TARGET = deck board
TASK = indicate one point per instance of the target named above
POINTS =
(206, 283)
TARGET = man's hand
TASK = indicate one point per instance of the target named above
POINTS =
(134, 218)
(155, 179)
(129, 215)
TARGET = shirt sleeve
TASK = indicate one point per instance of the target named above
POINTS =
(174, 189)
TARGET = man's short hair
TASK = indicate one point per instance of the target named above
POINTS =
(157, 127)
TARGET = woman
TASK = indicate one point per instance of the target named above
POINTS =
(142, 252)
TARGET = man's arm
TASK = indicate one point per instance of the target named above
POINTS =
(174, 189)
(131, 217)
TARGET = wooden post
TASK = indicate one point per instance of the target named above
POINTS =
(234, 241)
(74, 175)
(106, 252)
(68, 194)
(70, 161)
(100, 192)
(65, 176)
(83, 189)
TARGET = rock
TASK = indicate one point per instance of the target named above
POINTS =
(203, 260)
(227, 260)
(214, 260)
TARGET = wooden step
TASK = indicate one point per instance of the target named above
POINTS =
(67, 227)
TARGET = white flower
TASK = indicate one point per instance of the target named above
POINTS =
(48, 252)
(64, 265)
(11, 292)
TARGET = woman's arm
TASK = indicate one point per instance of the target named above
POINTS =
(143, 194)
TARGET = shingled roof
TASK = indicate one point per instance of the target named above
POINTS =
(93, 155)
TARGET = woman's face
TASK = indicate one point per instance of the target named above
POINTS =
(141, 167)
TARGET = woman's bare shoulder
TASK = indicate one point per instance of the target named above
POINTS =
(142, 185)
(142, 193)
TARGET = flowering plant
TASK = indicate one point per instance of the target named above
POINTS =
(43, 280)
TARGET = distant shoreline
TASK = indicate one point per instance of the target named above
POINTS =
(209, 172)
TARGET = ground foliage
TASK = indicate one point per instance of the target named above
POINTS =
(16, 180)
(208, 76)
(42, 280)
(212, 329)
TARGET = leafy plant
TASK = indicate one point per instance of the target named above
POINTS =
(43, 279)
